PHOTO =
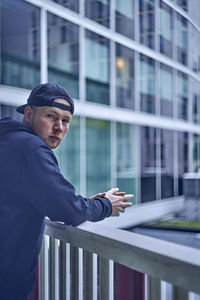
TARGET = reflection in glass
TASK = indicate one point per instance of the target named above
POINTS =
(166, 79)
(183, 143)
(196, 153)
(182, 95)
(147, 84)
(182, 39)
(98, 11)
(148, 164)
(126, 173)
(167, 164)
(97, 68)
(68, 154)
(124, 17)
(194, 52)
(20, 44)
(71, 4)
(125, 77)
(183, 4)
(147, 23)
(195, 89)
(10, 111)
(63, 54)
(98, 170)
(165, 29)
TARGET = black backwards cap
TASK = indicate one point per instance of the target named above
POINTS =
(45, 94)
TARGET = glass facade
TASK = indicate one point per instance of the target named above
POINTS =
(147, 22)
(133, 66)
(20, 44)
(166, 91)
(166, 30)
(98, 168)
(97, 68)
(98, 11)
(71, 4)
(63, 54)
(148, 164)
(124, 17)
(124, 77)
(147, 84)
(126, 158)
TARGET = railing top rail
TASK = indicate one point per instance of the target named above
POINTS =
(146, 212)
(167, 261)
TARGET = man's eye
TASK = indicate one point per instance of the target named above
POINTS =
(50, 116)
(65, 121)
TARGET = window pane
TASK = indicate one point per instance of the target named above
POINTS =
(97, 68)
(124, 17)
(147, 84)
(148, 164)
(125, 77)
(147, 23)
(183, 144)
(167, 164)
(10, 111)
(20, 44)
(126, 172)
(182, 95)
(98, 11)
(97, 156)
(63, 54)
(71, 4)
(182, 39)
(183, 4)
(68, 154)
(196, 153)
(165, 29)
(195, 89)
(166, 98)
(194, 48)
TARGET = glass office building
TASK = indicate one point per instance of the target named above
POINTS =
(133, 68)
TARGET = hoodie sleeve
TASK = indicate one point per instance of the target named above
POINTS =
(48, 191)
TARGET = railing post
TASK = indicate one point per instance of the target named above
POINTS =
(179, 293)
(44, 270)
(153, 288)
(64, 264)
(54, 269)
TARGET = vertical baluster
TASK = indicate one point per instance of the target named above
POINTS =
(64, 264)
(44, 269)
(54, 269)
(153, 288)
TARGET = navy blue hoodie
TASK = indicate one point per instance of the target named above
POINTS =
(32, 187)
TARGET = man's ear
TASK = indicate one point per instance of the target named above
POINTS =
(28, 115)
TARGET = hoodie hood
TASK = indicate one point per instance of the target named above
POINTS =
(8, 125)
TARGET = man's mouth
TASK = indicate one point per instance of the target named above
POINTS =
(54, 138)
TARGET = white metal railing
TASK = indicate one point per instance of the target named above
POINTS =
(71, 258)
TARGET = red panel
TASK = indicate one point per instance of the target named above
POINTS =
(129, 284)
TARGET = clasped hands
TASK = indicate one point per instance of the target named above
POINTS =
(119, 200)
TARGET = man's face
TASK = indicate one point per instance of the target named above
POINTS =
(50, 123)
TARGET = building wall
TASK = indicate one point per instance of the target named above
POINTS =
(133, 69)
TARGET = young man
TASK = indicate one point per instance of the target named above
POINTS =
(32, 187)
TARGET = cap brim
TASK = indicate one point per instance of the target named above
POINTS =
(20, 109)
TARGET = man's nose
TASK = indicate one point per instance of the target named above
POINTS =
(58, 125)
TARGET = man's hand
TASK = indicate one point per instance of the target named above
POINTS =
(119, 200)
